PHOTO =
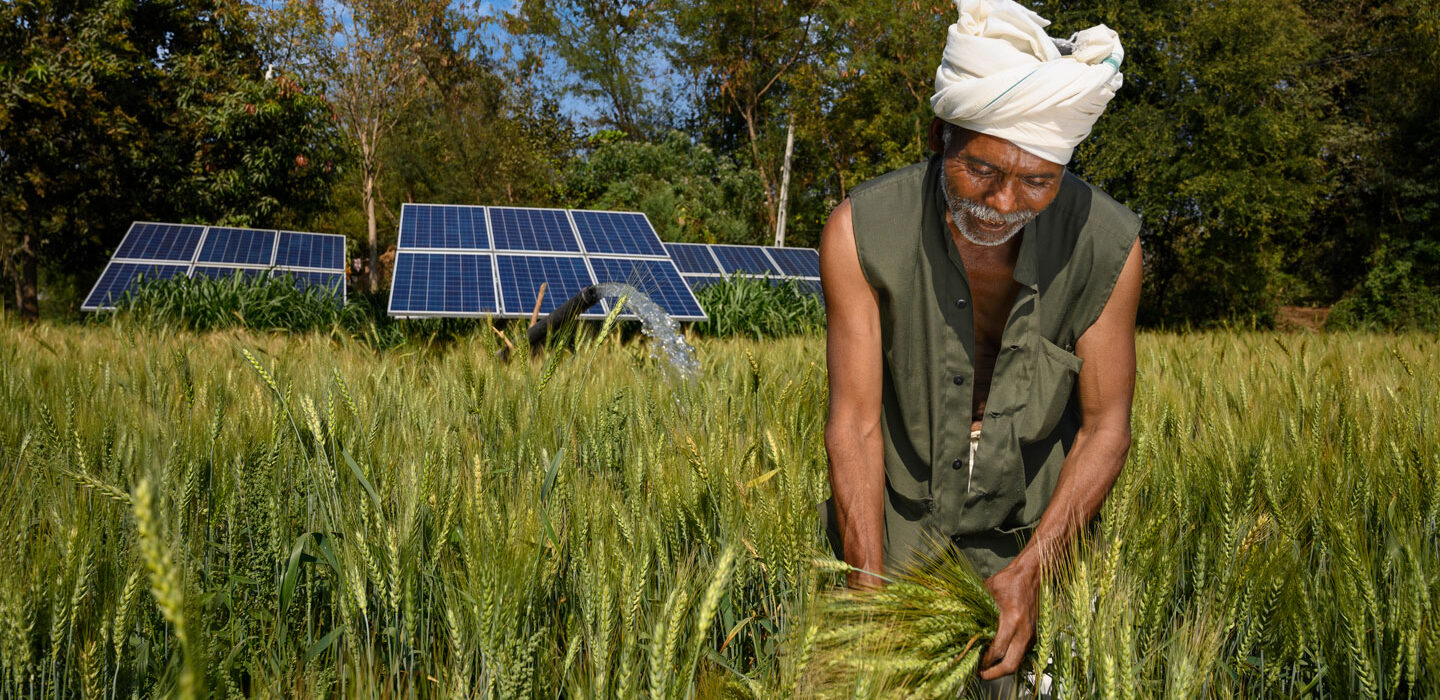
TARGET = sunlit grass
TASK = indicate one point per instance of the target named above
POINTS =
(307, 516)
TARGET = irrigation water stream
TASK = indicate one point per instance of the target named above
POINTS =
(666, 343)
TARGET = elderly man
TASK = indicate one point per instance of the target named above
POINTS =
(981, 323)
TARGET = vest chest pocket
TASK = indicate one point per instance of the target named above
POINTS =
(1053, 372)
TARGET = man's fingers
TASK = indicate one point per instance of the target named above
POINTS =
(1009, 663)
(1004, 631)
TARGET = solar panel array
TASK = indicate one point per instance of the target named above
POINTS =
(152, 251)
(706, 264)
(455, 260)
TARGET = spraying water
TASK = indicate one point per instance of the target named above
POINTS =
(663, 332)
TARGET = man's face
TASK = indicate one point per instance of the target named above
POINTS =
(992, 187)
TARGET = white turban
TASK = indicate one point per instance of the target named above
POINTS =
(1002, 75)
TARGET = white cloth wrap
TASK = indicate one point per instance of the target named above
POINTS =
(1002, 75)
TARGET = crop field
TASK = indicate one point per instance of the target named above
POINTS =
(235, 514)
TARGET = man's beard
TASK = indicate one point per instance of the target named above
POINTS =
(959, 207)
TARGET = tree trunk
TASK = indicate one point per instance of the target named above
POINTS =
(370, 226)
(27, 282)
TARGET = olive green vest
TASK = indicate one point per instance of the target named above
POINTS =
(1070, 256)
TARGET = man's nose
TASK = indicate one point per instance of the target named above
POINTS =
(1002, 197)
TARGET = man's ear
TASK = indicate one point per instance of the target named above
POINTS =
(936, 139)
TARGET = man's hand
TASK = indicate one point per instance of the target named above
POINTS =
(1014, 588)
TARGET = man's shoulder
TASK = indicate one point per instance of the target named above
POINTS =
(908, 176)
(1102, 209)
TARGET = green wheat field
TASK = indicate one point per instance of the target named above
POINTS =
(233, 514)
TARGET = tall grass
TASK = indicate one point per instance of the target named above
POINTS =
(757, 307)
(301, 516)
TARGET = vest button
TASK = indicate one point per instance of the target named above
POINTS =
(1014, 347)
(958, 464)
(959, 379)
(961, 303)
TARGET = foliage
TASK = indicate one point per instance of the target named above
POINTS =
(759, 308)
(1401, 290)
(262, 303)
(688, 192)
(285, 515)
(609, 50)
(921, 635)
(117, 111)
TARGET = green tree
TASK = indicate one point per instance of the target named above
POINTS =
(1213, 141)
(608, 47)
(688, 192)
(367, 56)
(114, 111)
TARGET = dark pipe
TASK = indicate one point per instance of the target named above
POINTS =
(559, 318)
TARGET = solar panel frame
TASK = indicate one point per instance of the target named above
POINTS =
(417, 219)
(522, 302)
(661, 281)
(728, 255)
(224, 246)
(484, 268)
(134, 246)
(795, 262)
(638, 241)
(307, 254)
(694, 259)
(558, 239)
(130, 270)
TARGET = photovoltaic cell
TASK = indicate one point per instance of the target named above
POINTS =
(160, 242)
(522, 275)
(750, 260)
(699, 282)
(310, 250)
(443, 226)
(657, 278)
(240, 246)
(693, 258)
(305, 279)
(120, 277)
(532, 230)
(617, 233)
(216, 273)
(796, 262)
(443, 283)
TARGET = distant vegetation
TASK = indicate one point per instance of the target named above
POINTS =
(1279, 152)
(247, 514)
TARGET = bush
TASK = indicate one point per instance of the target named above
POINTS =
(760, 308)
(1401, 291)
(261, 303)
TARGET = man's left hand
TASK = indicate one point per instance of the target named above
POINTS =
(1014, 588)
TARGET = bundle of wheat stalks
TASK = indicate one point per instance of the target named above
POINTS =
(921, 636)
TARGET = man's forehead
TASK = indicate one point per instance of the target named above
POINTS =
(999, 153)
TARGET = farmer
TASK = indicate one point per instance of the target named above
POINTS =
(981, 324)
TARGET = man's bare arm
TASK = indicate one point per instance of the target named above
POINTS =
(1106, 389)
(852, 433)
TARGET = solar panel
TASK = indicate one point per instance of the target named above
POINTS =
(218, 273)
(656, 278)
(443, 227)
(533, 230)
(305, 279)
(522, 275)
(146, 241)
(796, 262)
(617, 233)
(119, 277)
(699, 282)
(693, 258)
(748, 259)
(243, 246)
(310, 250)
(443, 284)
